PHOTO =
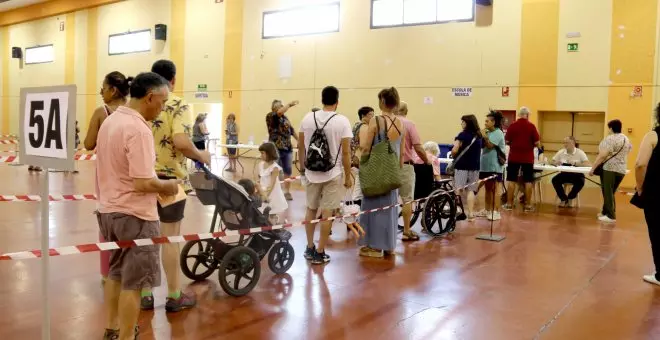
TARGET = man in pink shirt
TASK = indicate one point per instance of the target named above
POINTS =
(127, 188)
(412, 145)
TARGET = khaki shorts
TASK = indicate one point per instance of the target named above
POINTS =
(137, 267)
(407, 189)
(326, 195)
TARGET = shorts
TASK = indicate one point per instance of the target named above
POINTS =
(286, 157)
(200, 145)
(172, 213)
(326, 195)
(137, 267)
(486, 174)
(469, 178)
(407, 188)
(424, 179)
(513, 170)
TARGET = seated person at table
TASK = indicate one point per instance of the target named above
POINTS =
(570, 155)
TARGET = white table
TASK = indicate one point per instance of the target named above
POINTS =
(246, 147)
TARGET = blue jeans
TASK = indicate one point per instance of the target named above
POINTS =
(285, 161)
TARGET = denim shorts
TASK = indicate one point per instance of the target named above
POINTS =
(285, 161)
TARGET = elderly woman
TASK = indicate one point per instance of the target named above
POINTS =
(612, 154)
(280, 132)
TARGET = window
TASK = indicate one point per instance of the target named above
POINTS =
(39, 54)
(130, 42)
(390, 13)
(314, 19)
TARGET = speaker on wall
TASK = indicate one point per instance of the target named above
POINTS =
(484, 2)
(161, 32)
(16, 53)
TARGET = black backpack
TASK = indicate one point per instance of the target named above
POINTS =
(318, 152)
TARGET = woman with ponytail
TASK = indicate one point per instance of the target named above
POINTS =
(114, 92)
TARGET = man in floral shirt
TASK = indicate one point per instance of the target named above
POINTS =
(280, 132)
(172, 131)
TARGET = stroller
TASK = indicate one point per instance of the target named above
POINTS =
(238, 262)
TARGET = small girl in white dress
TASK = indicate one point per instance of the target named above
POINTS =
(269, 173)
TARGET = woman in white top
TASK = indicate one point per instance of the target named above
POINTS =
(269, 172)
(612, 154)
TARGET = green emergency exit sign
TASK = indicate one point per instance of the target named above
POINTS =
(201, 87)
(572, 47)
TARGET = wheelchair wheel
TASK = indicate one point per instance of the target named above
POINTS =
(280, 257)
(239, 266)
(439, 215)
(198, 260)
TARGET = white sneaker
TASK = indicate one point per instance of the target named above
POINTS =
(495, 216)
(482, 213)
(651, 279)
(606, 219)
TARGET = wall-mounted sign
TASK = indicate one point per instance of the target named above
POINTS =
(462, 91)
(505, 91)
(637, 91)
(572, 47)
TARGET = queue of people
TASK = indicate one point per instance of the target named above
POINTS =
(157, 129)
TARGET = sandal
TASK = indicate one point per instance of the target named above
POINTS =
(410, 236)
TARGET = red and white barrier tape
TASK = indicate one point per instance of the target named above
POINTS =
(101, 246)
(51, 198)
(73, 197)
(78, 157)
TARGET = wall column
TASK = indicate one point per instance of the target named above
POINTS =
(632, 62)
(177, 43)
(6, 52)
(538, 56)
(233, 65)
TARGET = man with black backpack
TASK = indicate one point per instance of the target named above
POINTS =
(325, 153)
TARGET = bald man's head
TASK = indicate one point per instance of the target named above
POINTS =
(403, 109)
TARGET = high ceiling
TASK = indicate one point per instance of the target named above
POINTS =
(11, 4)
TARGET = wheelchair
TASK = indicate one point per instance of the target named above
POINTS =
(239, 262)
(438, 210)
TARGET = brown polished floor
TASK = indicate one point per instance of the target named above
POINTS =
(557, 275)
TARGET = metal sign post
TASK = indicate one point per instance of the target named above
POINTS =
(47, 135)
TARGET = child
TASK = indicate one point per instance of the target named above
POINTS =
(252, 190)
(270, 187)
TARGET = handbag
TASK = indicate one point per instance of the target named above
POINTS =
(450, 168)
(380, 170)
(598, 171)
(637, 200)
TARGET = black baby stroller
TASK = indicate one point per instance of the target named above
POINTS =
(238, 262)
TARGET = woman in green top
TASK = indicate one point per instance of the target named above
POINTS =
(492, 152)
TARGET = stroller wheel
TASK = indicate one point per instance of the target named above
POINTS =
(439, 215)
(239, 271)
(280, 257)
(198, 260)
